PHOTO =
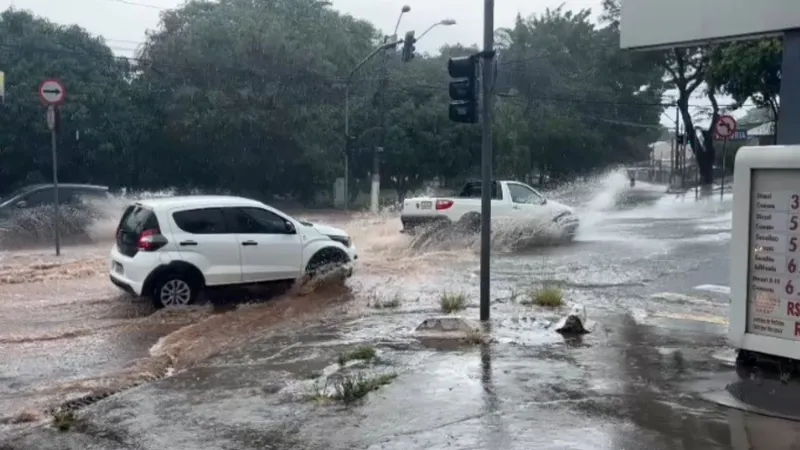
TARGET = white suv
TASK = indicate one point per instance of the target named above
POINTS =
(170, 249)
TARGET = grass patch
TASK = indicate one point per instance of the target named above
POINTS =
(349, 389)
(548, 297)
(452, 302)
(365, 353)
(391, 303)
(476, 337)
(313, 375)
(352, 388)
(64, 420)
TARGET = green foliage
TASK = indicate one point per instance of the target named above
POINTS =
(749, 70)
(746, 69)
(547, 296)
(365, 353)
(450, 302)
(248, 96)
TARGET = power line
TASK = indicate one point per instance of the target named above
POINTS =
(143, 5)
(157, 67)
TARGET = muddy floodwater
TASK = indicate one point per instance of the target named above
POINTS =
(287, 373)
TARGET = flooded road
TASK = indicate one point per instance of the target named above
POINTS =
(262, 375)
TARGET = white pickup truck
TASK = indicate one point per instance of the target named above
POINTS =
(511, 200)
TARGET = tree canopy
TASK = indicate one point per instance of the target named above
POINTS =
(248, 96)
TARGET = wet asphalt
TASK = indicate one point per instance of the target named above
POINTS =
(641, 380)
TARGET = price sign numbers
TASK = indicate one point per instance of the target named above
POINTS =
(789, 287)
(794, 202)
(791, 266)
(793, 244)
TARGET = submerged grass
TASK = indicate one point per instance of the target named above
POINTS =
(351, 388)
(450, 302)
(364, 352)
(548, 297)
(64, 420)
(390, 303)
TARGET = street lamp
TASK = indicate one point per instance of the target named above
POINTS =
(389, 43)
(445, 22)
(404, 10)
(382, 47)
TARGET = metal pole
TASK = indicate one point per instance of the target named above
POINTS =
(486, 154)
(347, 144)
(724, 154)
(383, 47)
(375, 186)
(677, 144)
(56, 215)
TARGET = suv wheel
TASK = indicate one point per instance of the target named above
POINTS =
(175, 290)
(325, 262)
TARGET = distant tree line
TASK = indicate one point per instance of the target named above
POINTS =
(248, 96)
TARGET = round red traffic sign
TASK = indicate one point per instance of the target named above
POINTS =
(52, 92)
(725, 127)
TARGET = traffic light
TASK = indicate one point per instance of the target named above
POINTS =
(408, 47)
(463, 90)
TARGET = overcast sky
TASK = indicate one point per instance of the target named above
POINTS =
(123, 22)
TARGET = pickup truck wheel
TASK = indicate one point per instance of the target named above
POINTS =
(469, 223)
(325, 261)
(175, 289)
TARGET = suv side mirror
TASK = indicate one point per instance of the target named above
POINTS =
(22, 204)
(290, 229)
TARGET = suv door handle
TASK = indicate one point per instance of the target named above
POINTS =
(186, 243)
(249, 243)
(515, 207)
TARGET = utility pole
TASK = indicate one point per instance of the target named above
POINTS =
(376, 162)
(347, 138)
(678, 142)
(487, 86)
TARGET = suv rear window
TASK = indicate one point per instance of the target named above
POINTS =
(135, 219)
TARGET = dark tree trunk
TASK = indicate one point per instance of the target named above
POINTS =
(705, 165)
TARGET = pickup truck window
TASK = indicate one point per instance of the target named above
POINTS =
(523, 194)
(473, 190)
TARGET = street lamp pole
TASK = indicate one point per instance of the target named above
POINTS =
(375, 185)
(445, 22)
(349, 80)
(376, 177)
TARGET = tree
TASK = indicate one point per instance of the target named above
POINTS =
(97, 108)
(687, 69)
(750, 70)
(578, 94)
(247, 96)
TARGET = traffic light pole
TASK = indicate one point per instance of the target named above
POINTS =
(487, 85)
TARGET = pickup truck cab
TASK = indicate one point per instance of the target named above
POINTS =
(511, 200)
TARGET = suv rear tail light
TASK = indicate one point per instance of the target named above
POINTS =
(443, 204)
(151, 240)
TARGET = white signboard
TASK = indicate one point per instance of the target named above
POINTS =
(765, 251)
(774, 301)
(674, 23)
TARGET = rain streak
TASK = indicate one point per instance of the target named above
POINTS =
(269, 232)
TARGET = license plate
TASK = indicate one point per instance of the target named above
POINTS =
(425, 205)
(116, 267)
